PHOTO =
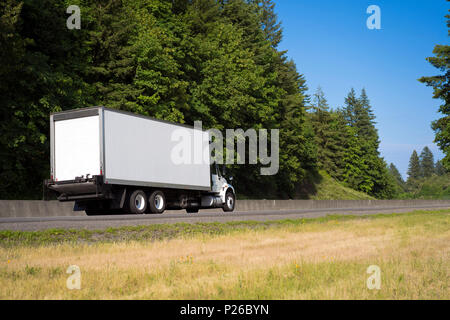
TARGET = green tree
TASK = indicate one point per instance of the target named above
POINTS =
(321, 122)
(270, 24)
(426, 163)
(331, 135)
(414, 169)
(365, 121)
(397, 179)
(396, 174)
(366, 170)
(441, 85)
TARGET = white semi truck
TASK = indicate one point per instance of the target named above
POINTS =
(110, 161)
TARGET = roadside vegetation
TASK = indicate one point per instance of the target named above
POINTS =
(303, 259)
(327, 188)
(426, 179)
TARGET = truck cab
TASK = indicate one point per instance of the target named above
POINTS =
(221, 187)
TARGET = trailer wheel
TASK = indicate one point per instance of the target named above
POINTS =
(138, 202)
(157, 202)
(230, 202)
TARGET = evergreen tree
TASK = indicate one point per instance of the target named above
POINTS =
(339, 146)
(356, 168)
(330, 135)
(351, 109)
(366, 170)
(426, 163)
(439, 168)
(271, 26)
(396, 174)
(321, 122)
(414, 170)
(365, 121)
(441, 85)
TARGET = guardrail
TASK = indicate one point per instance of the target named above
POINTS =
(22, 208)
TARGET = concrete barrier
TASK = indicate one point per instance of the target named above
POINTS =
(19, 208)
(252, 205)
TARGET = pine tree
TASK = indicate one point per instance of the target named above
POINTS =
(330, 135)
(366, 170)
(365, 121)
(414, 171)
(426, 163)
(441, 85)
(396, 174)
(339, 147)
(321, 121)
(350, 111)
(271, 26)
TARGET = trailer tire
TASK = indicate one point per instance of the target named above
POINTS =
(157, 202)
(230, 202)
(138, 202)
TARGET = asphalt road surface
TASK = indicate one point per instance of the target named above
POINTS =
(103, 222)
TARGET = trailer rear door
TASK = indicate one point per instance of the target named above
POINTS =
(76, 148)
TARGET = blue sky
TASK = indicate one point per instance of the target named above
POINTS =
(332, 47)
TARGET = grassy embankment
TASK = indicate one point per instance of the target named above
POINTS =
(328, 188)
(304, 259)
(319, 186)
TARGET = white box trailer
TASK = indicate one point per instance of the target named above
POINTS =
(110, 161)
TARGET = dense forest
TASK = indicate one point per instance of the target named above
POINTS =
(181, 60)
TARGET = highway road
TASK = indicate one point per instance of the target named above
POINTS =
(103, 222)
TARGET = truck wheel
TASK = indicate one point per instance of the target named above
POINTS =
(230, 202)
(138, 202)
(157, 202)
(192, 210)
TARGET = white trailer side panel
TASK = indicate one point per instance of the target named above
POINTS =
(138, 152)
(77, 148)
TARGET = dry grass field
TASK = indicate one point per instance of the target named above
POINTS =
(325, 259)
